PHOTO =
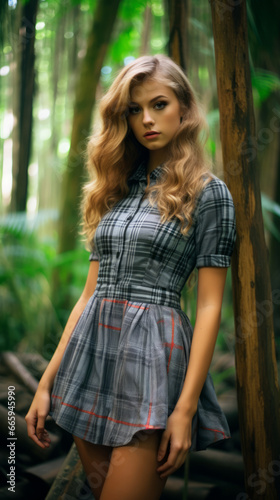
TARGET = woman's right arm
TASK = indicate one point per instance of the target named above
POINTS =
(40, 406)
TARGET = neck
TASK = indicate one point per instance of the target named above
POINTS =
(155, 159)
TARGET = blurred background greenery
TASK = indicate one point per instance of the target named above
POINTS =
(41, 276)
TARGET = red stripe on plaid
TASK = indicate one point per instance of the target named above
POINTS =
(109, 326)
(124, 311)
(172, 340)
(215, 430)
(90, 417)
(146, 426)
(149, 415)
(125, 302)
(138, 307)
(176, 346)
(116, 301)
(58, 397)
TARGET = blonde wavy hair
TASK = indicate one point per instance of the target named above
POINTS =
(113, 153)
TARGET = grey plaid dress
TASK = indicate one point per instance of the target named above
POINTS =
(125, 364)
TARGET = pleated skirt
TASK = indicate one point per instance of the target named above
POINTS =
(123, 371)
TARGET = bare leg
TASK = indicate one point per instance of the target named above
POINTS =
(132, 472)
(96, 460)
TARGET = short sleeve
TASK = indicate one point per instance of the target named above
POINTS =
(93, 256)
(215, 230)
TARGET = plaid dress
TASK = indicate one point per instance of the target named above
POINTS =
(124, 366)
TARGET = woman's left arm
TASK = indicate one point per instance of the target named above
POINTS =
(210, 289)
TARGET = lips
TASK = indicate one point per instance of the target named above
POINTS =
(151, 132)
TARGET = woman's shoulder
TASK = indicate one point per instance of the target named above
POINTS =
(215, 191)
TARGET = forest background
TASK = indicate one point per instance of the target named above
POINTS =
(44, 67)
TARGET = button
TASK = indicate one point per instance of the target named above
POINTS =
(129, 217)
(117, 254)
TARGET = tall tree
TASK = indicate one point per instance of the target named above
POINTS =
(97, 44)
(146, 31)
(256, 369)
(24, 91)
(178, 15)
(74, 176)
(264, 47)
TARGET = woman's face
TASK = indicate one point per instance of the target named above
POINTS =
(154, 107)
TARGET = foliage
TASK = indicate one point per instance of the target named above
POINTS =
(270, 207)
(28, 318)
(264, 83)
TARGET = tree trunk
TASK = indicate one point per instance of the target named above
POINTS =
(75, 175)
(146, 34)
(256, 369)
(57, 52)
(98, 40)
(267, 141)
(178, 13)
(25, 89)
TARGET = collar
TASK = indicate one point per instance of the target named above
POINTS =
(140, 173)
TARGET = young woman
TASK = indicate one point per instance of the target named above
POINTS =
(129, 378)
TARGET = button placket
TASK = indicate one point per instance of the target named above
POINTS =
(135, 204)
(120, 249)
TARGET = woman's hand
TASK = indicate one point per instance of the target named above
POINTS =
(178, 432)
(36, 417)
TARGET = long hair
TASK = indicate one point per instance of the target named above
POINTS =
(113, 152)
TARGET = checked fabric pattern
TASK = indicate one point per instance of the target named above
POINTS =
(125, 364)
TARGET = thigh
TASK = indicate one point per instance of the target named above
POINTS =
(133, 472)
(95, 459)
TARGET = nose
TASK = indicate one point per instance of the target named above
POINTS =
(147, 118)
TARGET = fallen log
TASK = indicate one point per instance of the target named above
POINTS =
(22, 441)
(218, 464)
(45, 472)
(199, 490)
(174, 488)
(34, 362)
(22, 490)
(18, 369)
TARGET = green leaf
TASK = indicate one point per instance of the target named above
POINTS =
(270, 206)
(264, 83)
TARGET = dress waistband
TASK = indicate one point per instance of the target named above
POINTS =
(136, 292)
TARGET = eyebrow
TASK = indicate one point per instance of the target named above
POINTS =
(152, 100)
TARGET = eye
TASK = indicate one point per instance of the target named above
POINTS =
(133, 110)
(160, 105)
